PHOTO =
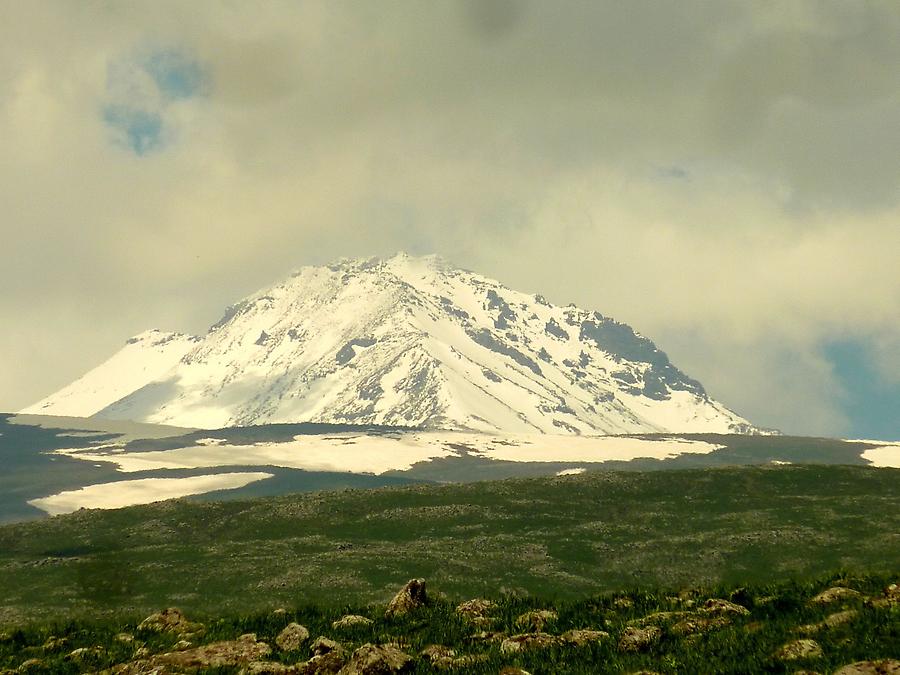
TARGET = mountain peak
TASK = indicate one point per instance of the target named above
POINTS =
(407, 341)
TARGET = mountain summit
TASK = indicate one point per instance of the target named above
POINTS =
(407, 342)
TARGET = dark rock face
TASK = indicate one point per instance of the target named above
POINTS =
(486, 339)
(622, 343)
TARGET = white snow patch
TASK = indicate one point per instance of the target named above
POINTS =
(377, 454)
(143, 491)
(886, 455)
(571, 472)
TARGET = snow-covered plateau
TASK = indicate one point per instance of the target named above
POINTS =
(408, 342)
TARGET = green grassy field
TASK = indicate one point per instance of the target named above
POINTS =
(561, 539)
(747, 637)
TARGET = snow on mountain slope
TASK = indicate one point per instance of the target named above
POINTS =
(412, 342)
(143, 358)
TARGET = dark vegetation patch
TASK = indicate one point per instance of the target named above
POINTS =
(563, 538)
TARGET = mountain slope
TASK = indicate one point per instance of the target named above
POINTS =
(144, 358)
(407, 342)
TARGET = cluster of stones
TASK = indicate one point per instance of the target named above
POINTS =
(807, 649)
(328, 657)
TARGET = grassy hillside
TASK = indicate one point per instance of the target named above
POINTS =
(556, 538)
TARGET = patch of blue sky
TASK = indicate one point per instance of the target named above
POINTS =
(142, 92)
(871, 400)
(176, 75)
(139, 130)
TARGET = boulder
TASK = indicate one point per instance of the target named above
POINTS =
(322, 645)
(717, 606)
(694, 625)
(635, 639)
(486, 636)
(232, 653)
(410, 598)
(835, 594)
(535, 620)
(889, 598)
(377, 660)
(439, 656)
(55, 644)
(477, 611)
(582, 637)
(528, 641)
(293, 635)
(831, 621)
(84, 654)
(799, 649)
(171, 620)
(351, 621)
(658, 618)
(31, 666)
(268, 668)
(880, 667)
(511, 670)
(328, 663)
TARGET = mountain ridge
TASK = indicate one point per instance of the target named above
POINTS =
(402, 341)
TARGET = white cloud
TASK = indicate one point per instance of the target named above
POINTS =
(517, 139)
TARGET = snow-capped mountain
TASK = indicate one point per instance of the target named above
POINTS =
(406, 342)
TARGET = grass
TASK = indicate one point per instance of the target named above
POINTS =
(560, 539)
(748, 644)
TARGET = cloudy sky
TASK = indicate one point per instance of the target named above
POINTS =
(724, 176)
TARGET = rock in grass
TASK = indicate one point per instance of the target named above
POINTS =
(171, 620)
(477, 611)
(84, 654)
(717, 606)
(55, 644)
(799, 649)
(511, 670)
(293, 635)
(835, 594)
(535, 620)
(889, 598)
(410, 598)
(377, 659)
(881, 667)
(440, 657)
(635, 639)
(268, 668)
(351, 621)
(581, 637)
(831, 621)
(232, 653)
(322, 645)
(437, 652)
(328, 663)
(528, 641)
(31, 666)
(694, 625)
